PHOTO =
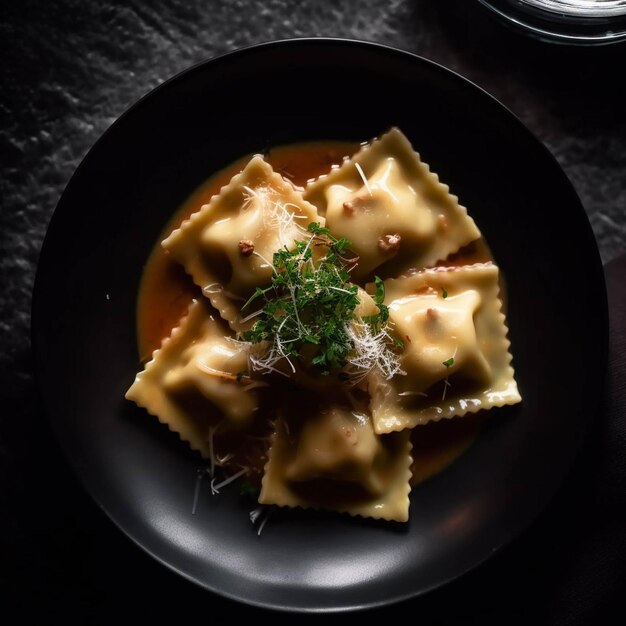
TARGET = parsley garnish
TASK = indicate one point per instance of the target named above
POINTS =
(248, 489)
(444, 293)
(310, 302)
(448, 362)
(380, 319)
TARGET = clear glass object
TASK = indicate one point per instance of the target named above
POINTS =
(578, 22)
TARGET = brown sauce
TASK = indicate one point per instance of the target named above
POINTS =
(166, 292)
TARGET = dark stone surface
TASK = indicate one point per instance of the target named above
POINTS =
(69, 69)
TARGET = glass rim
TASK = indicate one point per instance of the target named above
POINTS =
(581, 8)
(530, 16)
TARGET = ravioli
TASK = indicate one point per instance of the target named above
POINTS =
(227, 246)
(333, 460)
(355, 366)
(192, 384)
(456, 352)
(393, 209)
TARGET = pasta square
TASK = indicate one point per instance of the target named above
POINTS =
(227, 246)
(192, 383)
(333, 460)
(392, 207)
(456, 352)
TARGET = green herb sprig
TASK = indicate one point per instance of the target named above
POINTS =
(311, 298)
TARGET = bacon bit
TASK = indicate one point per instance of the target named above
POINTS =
(442, 222)
(350, 434)
(389, 243)
(246, 247)
(350, 206)
(432, 314)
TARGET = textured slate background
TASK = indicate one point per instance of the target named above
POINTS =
(69, 68)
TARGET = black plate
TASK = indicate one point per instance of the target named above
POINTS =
(157, 153)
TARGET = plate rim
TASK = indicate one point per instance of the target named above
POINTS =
(36, 349)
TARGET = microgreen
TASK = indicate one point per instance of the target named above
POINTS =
(380, 319)
(310, 304)
(246, 488)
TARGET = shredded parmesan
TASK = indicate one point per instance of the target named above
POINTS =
(196, 491)
(359, 169)
(446, 384)
(251, 316)
(262, 357)
(371, 352)
(261, 513)
(212, 430)
(276, 215)
(212, 288)
(263, 522)
(265, 261)
(215, 489)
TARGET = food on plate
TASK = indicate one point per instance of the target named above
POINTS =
(393, 209)
(328, 316)
(456, 352)
(227, 246)
(193, 381)
(331, 458)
